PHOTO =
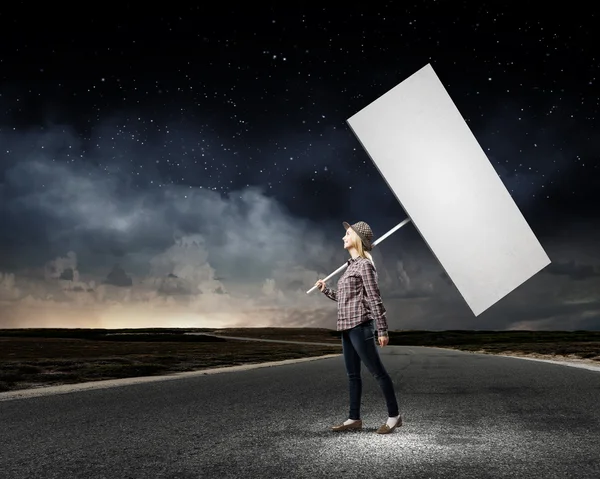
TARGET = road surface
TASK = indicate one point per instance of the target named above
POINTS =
(465, 416)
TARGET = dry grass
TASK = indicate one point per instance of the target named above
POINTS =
(576, 344)
(37, 362)
(589, 350)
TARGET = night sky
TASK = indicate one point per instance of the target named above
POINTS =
(192, 167)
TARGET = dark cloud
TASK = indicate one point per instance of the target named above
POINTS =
(92, 248)
(574, 271)
(118, 277)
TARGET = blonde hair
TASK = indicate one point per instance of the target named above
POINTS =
(358, 245)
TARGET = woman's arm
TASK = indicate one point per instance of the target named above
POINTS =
(373, 297)
(330, 293)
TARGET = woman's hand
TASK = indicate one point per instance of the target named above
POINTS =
(320, 284)
(383, 340)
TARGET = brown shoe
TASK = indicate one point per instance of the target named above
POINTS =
(385, 429)
(343, 427)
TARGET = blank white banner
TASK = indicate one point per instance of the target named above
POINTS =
(439, 173)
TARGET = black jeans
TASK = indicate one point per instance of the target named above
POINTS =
(359, 345)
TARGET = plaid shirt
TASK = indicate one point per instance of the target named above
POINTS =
(358, 296)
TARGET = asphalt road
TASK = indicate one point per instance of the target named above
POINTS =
(465, 416)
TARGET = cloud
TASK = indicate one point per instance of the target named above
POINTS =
(130, 254)
(85, 246)
(118, 277)
(8, 289)
(574, 271)
(63, 268)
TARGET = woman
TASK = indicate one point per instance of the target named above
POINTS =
(359, 309)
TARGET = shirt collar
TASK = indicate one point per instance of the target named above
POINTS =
(352, 260)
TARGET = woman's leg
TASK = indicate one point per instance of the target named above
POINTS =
(352, 361)
(362, 338)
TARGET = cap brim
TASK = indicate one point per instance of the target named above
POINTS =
(346, 226)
